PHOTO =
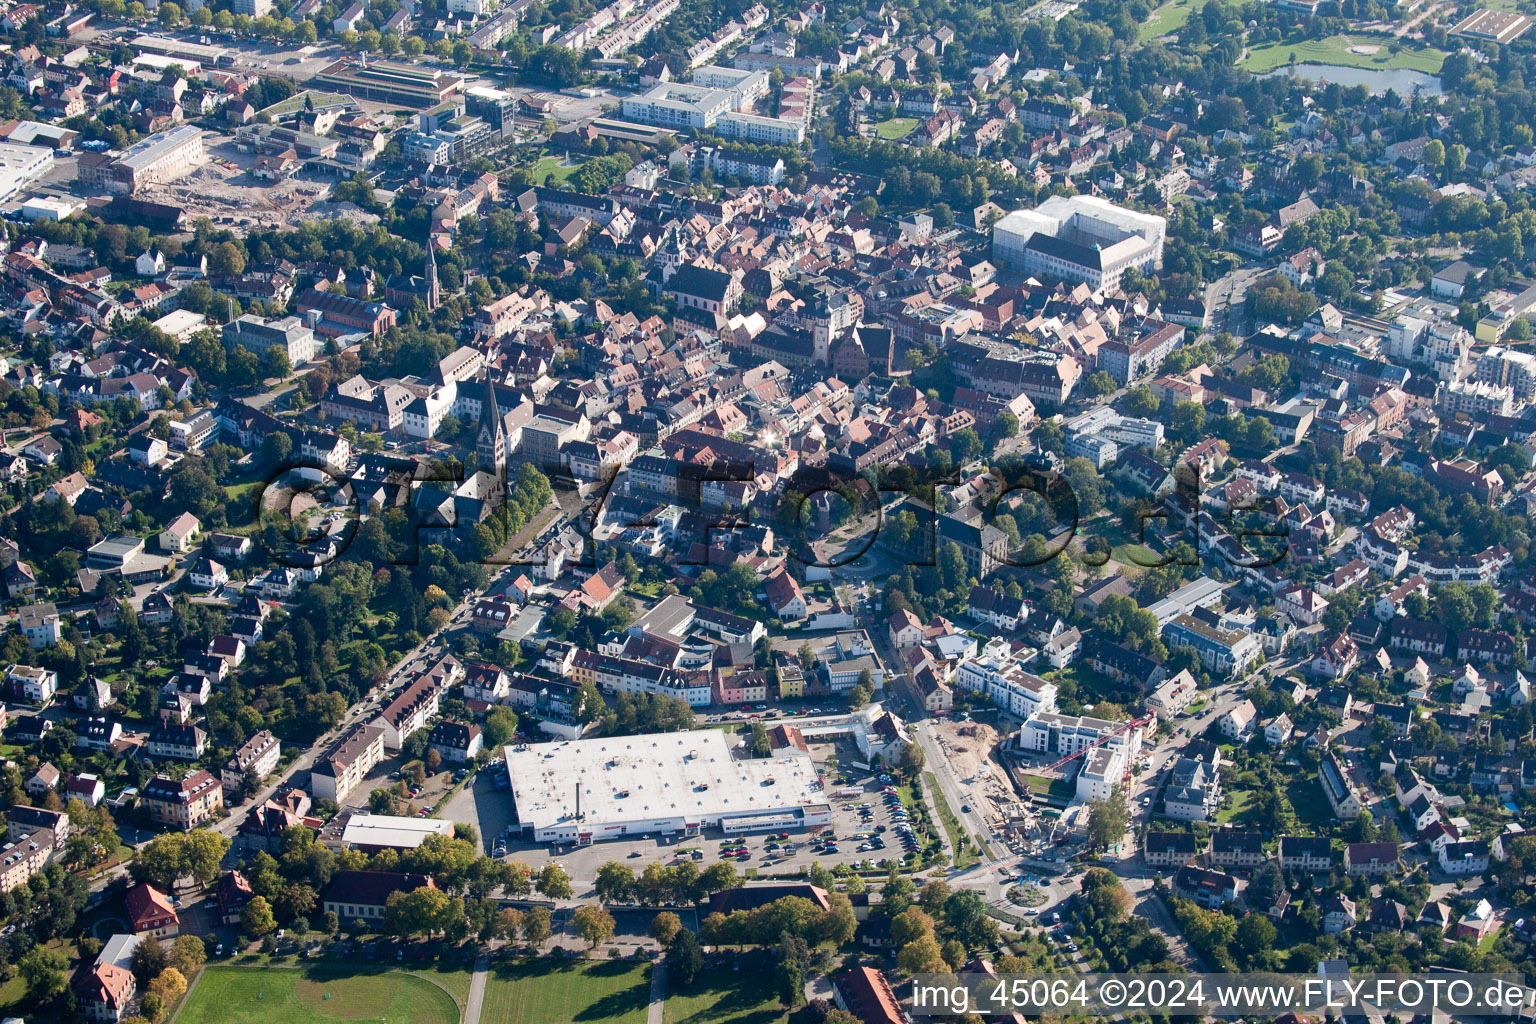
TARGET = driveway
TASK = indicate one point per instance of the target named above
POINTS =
(484, 806)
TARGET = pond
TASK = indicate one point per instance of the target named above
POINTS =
(1403, 81)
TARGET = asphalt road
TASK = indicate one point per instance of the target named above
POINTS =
(1225, 296)
(954, 789)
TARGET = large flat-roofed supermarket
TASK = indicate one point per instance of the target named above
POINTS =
(595, 789)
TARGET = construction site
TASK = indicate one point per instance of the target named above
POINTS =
(224, 190)
(1063, 763)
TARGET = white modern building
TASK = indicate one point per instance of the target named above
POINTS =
(671, 105)
(1103, 769)
(1049, 732)
(1079, 238)
(745, 87)
(49, 208)
(181, 324)
(21, 165)
(1510, 368)
(777, 131)
(997, 675)
(1203, 592)
(32, 684)
(586, 791)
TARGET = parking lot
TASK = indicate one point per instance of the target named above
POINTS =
(867, 825)
(387, 774)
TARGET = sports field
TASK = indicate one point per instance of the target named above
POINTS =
(544, 992)
(278, 995)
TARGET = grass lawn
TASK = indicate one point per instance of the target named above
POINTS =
(723, 996)
(1239, 805)
(1170, 17)
(453, 977)
(1050, 787)
(1138, 556)
(245, 995)
(1093, 687)
(246, 491)
(1336, 50)
(12, 992)
(1038, 783)
(962, 858)
(553, 165)
(1306, 796)
(548, 992)
(896, 128)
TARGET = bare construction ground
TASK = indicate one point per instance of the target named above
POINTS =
(224, 190)
(969, 745)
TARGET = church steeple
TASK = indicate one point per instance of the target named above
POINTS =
(491, 440)
(434, 295)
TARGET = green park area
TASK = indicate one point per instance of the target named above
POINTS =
(1170, 17)
(544, 992)
(896, 128)
(561, 167)
(724, 996)
(1137, 556)
(1356, 51)
(276, 995)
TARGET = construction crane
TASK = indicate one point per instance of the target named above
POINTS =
(1134, 723)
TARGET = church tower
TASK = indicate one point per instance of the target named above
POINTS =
(491, 441)
(434, 291)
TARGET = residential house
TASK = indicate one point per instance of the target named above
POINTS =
(1371, 859)
(1169, 849)
(151, 912)
(184, 803)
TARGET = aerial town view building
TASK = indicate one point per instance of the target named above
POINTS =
(712, 513)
